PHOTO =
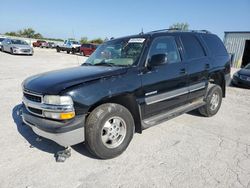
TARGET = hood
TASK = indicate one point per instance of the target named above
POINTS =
(22, 46)
(56, 81)
(244, 72)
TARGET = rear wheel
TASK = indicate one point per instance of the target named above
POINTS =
(213, 101)
(58, 49)
(109, 130)
(73, 51)
(68, 51)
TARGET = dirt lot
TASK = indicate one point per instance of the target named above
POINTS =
(188, 151)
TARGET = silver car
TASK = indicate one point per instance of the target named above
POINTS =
(16, 46)
(1, 39)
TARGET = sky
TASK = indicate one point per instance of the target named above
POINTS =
(114, 18)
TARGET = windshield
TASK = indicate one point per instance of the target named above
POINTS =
(247, 67)
(119, 52)
(1, 39)
(74, 42)
(15, 41)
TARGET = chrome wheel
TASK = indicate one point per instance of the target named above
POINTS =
(113, 132)
(214, 101)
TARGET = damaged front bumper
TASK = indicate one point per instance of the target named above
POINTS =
(65, 133)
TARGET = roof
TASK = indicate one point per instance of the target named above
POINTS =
(240, 32)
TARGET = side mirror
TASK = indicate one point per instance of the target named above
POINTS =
(157, 59)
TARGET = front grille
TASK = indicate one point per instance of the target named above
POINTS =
(33, 98)
(25, 50)
(35, 111)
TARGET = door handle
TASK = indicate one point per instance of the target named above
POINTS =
(183, 71)
(207, 66)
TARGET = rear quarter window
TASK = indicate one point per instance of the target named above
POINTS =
(192, 46)
(215, 45)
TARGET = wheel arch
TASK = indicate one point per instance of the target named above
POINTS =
(218, 78)
(129, 102)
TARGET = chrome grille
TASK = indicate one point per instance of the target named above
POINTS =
(33, 97)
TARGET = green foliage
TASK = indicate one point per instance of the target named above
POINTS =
(12, 33)
(84, 40)
(28, 33)
(180, 26)
(97, 41)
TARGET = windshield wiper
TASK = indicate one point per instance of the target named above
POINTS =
(105, 64)
(87, 64)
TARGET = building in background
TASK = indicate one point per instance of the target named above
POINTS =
(238, 46)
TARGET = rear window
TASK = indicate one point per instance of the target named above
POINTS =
(215, 45)
(192, 47)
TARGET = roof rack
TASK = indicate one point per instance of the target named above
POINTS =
(179, 30)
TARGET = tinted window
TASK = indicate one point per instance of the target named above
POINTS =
(165, 45)
(192, 47)
(1, 39)
(215, 45)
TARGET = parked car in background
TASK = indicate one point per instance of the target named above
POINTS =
(38, 43)
(16, 46)
(69, 46)
(242, 77)
(1, 39)
(51, 44)
(44, 45)
(87, 49)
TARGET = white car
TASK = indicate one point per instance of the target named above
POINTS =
(16, 46)
(1, 39)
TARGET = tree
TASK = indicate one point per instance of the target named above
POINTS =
(84, 40)
(97, 41)
(12, 33)
(29, 33)
(37, 36)
(180, 26)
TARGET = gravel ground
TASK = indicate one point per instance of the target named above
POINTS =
(188, 151)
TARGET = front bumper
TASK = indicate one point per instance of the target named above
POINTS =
(23, 51)
(65, 133)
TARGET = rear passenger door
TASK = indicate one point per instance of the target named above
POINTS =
(198, 65)
(164, 85)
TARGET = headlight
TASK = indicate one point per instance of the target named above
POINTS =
(58, 100)
(59, 115)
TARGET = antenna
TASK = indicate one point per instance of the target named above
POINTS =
(141, 33)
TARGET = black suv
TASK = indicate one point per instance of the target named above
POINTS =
(128, 84)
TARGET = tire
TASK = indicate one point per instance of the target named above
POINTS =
(11, 51)
(58, 49)
(99, 123)
(73, 51)
(68, 51)
(213, 101)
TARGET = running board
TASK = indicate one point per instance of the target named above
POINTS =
(149, 122)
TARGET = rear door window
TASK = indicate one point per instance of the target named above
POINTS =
(192, 46)
(215, 45)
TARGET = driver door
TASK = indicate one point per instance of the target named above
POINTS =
(164, 85)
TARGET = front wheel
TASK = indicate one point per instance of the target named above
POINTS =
(213, 101)
(109, 130)
(11, 51)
